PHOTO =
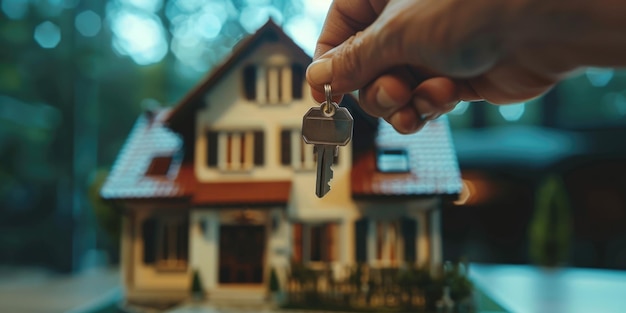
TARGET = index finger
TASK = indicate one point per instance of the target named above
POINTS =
(344, 19)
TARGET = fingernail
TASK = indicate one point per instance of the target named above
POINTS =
(384, 100)
(404, 120)
(426, 117)
(424, 109)
(320, 72)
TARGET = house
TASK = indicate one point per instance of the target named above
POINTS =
(222, 184)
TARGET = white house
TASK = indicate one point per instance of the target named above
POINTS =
(223, 184)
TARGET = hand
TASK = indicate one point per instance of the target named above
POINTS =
(413, 60)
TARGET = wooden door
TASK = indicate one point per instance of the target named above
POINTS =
(242, 254)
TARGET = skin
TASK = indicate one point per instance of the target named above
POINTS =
(413, 60)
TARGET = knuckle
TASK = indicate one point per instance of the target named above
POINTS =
(350, 63)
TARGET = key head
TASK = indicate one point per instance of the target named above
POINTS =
(319, 129)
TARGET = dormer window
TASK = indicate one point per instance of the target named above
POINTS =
(235, 150)
(393, 160)
(273, 84)
(159, 166)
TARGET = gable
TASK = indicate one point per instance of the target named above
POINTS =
(267, 36)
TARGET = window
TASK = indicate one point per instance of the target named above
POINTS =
(393, 161)
(274, 84)
(314, 242)
(159, 166)
(294, 151)
(235, 150)
(165, 242)
(388, 242)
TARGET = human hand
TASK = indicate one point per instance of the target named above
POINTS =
(413, 60)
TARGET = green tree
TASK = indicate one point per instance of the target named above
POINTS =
(550, 227)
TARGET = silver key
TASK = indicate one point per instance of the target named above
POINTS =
(327, 127)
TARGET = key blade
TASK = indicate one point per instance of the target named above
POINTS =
(325, 156)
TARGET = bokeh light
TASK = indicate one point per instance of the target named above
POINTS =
(614, 104)
(47, 35)
(14, 9)
(512, 112)
(302, 28)
(253, 17)
(146, 5)
(88, 23)
(139, 35)
(599, 77)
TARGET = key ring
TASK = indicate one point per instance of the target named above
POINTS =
(328, 107)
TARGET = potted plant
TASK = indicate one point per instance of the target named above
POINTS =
(197, 289)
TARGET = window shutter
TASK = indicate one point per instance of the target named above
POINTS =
(285, 147)
(249, 82)
(148, 229)
(297, 79)
(409, 233)
(360, 246)
(259, 148)
(212, 149)
(316, 242)
(297, 243)
(183, 241)
(330, 242)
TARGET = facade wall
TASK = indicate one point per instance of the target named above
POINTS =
(148, 277)
(227, 109)
(205, 240)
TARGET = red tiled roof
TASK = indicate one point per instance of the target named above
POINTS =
(236, 193)
(147, 139)
(433, 164)
(150, 138)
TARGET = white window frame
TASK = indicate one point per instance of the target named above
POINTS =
(274, 84)
(170, 259)
(391, 236)
(307, 230)
(240, 159)
(302, 156)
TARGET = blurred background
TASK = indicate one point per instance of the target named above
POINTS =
(545, 181)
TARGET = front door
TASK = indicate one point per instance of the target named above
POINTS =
(241, 254)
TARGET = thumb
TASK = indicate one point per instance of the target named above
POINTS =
(351, 65)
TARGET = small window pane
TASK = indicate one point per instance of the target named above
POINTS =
(212, 149)
(393, 161)
(249, 82)
(285, 147)
(259, 148)
(297, 79)
(317, 240)
(159, 166)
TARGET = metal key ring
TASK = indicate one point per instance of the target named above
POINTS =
(328, 107)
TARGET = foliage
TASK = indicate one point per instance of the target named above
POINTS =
(107, 216)
(370, 289)
(274, 284)
(197, 288)
(550, 227)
